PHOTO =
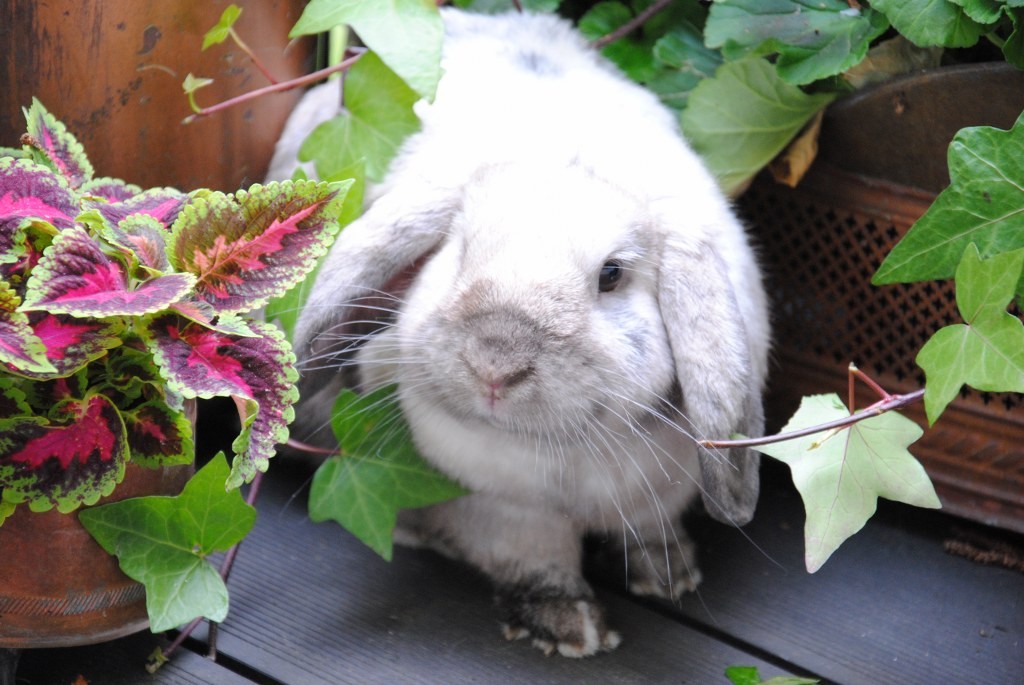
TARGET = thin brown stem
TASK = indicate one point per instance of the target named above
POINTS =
(851, 388)
(314, 449)
(894, 402)
(277, 87)
(870, 382)
(634, 23)
(252, 56)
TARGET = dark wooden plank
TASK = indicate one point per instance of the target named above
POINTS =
(120, 662)
(311, 605)
(890, 606)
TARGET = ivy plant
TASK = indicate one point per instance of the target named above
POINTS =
(748, 78)
(163, 542)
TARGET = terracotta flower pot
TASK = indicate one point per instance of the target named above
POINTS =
(58, 587)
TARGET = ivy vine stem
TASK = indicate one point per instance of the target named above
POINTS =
(279, 87)
(314, 449)
(636, 22)
(888, 403)
(244, 47)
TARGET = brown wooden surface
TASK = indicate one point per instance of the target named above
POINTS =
(112, 70)
(311, 605)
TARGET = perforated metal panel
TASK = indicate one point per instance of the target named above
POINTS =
(820, 245)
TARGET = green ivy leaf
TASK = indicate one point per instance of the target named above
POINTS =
(193, 83)
(632, 56)
(682, 48)
(377, 118)
(682, 61)
(189, 86)
(982, 11)
(841, 473)
(744, 116)
(748, 675)
(931, 22)
(378, 473)
(220, 32)
(986, 352)
(984, 205)
(743, 675)
(163, 542)
(406, 34)
(814, 39)
(495, 6)
(1013, 48)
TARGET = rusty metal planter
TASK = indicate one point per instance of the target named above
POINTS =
(58, 587)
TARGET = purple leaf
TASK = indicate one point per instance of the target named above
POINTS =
(30, 191)
(110, 189)
(163, 204)
(144, 238)
(75, 277)
(58, 146)
(70, 342)
(20, 348)
(259, 372)
(247, 248)
(158, 435)
(65, 464)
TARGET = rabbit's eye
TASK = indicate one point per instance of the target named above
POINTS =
(611, 274)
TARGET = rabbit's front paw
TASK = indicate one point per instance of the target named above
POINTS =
(572, 626)
(667, 573)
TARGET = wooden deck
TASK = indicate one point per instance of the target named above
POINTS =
(311, 605)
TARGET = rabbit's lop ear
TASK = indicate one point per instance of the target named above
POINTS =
(361, 282)
(712, 353)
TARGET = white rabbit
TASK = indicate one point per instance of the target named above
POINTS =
(565, 301)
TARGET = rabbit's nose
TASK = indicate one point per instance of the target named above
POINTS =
(500, 350)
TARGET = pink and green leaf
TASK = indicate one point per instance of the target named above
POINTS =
(49, 397)
(158, 435)
(64, 465)
(248, 247)
(163, 204)
(20, 348)
(144, 239)
(76, 277)
(6, 509)
(13, 400)
(57, 146)
(29, 191)
(109, 189)
(71, 342)
(259, 372)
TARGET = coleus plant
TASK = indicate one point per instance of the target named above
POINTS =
(120, 305)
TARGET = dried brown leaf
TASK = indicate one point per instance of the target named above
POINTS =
(793, 162)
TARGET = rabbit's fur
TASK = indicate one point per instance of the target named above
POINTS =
(565, 301)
